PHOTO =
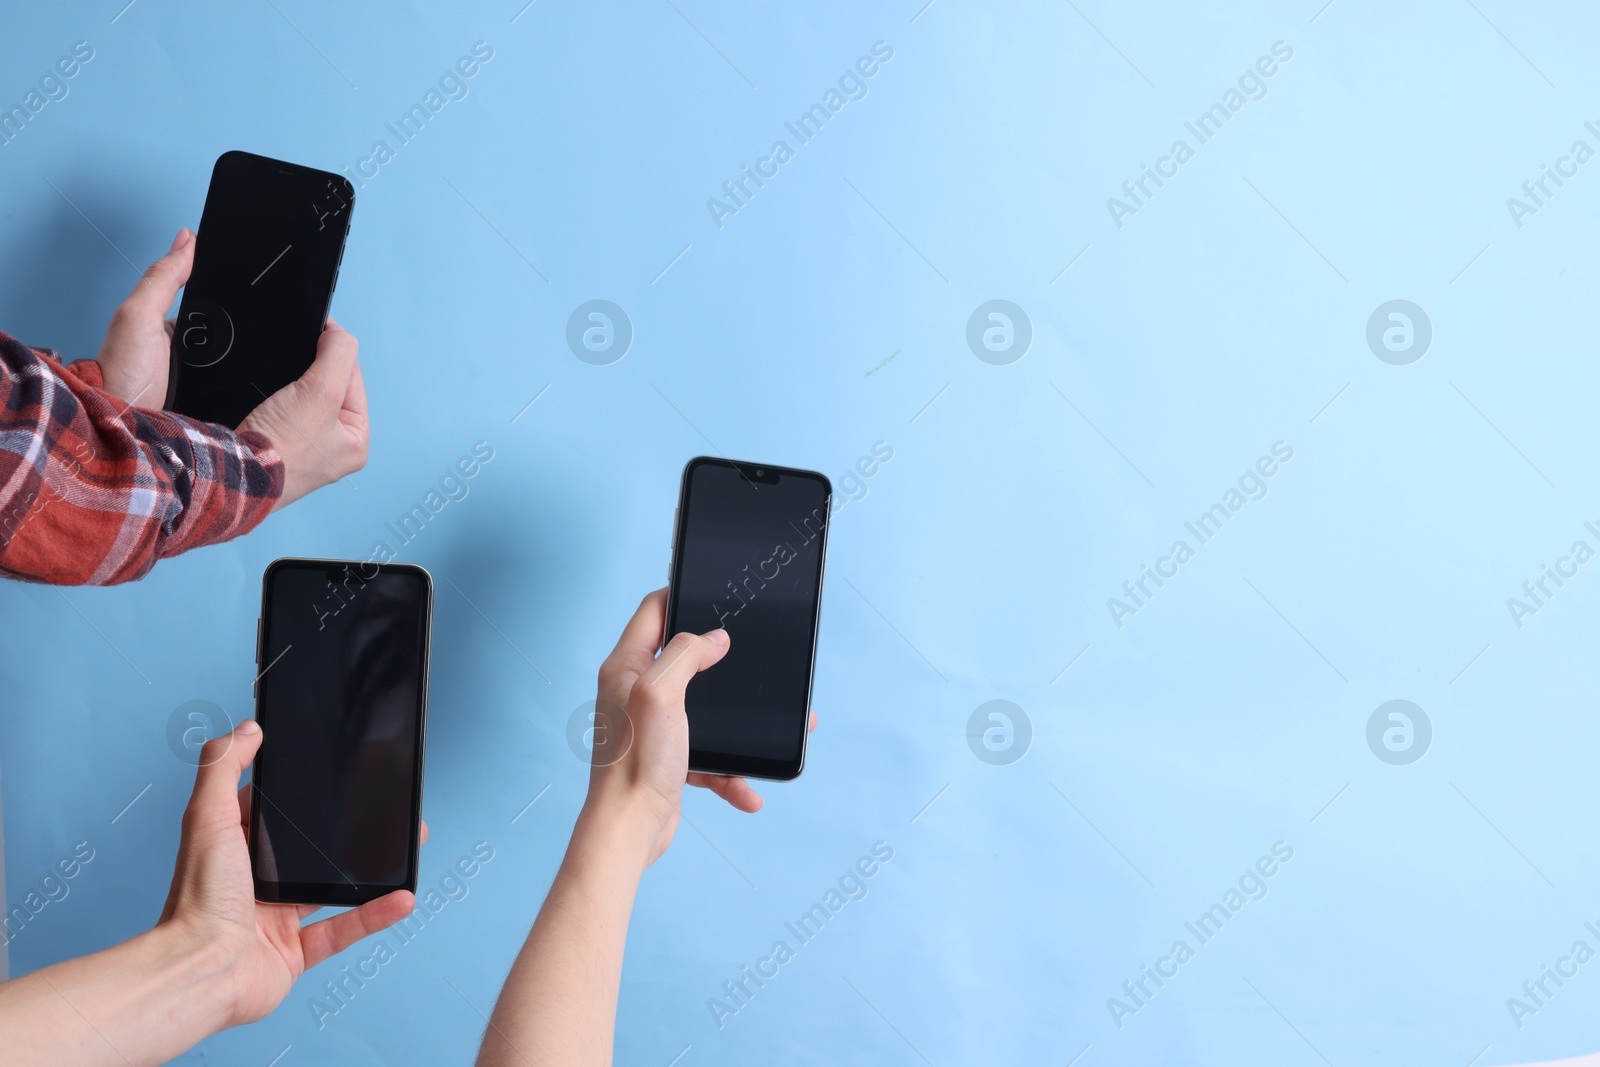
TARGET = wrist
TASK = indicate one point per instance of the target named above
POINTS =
(266, 453)
(198, 974)
(623, 826)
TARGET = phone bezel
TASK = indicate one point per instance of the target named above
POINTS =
(336, 894)
(724, 763)
(237, 158)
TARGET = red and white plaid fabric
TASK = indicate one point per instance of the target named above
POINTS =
(93, 492)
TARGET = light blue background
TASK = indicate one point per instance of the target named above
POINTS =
(1223, 317)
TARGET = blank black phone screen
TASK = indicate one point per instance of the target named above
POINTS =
(342, 704)
(749, 557)
(269, 245)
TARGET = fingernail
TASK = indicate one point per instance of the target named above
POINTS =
(718, 637)
(182, 239)
(249, 726)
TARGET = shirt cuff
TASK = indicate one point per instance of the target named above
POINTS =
(86, 371)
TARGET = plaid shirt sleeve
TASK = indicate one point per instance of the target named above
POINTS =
(93, 492)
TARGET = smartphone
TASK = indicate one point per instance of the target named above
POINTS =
(748, 548)
(270, 242)
(342, 699)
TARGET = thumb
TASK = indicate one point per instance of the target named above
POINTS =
(159, 287)
(222, 760)
(685, 656)
(329, 374)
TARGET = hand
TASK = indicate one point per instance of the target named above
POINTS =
(641, 754)
(559, 1002)
(261, 948)
(318, 424)
(138, 347)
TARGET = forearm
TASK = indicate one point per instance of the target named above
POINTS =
(559, 1003)
(142, 1002)
(94, 492)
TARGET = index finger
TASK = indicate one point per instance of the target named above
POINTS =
(222, 761)
(332, 936)
(355, 395)
(330, 372)
(636, 648)
(159, 286)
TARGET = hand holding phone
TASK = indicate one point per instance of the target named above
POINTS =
(135, 357)
(252, 346)
(260, 948)
(318, 424)
(640, 761)
(214, 959)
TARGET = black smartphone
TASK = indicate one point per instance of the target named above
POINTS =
(748, 548)
(342, 699)
(266, 260)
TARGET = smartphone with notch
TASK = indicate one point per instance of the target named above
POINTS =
(749, 545)
(342, 698)
(266, 260)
